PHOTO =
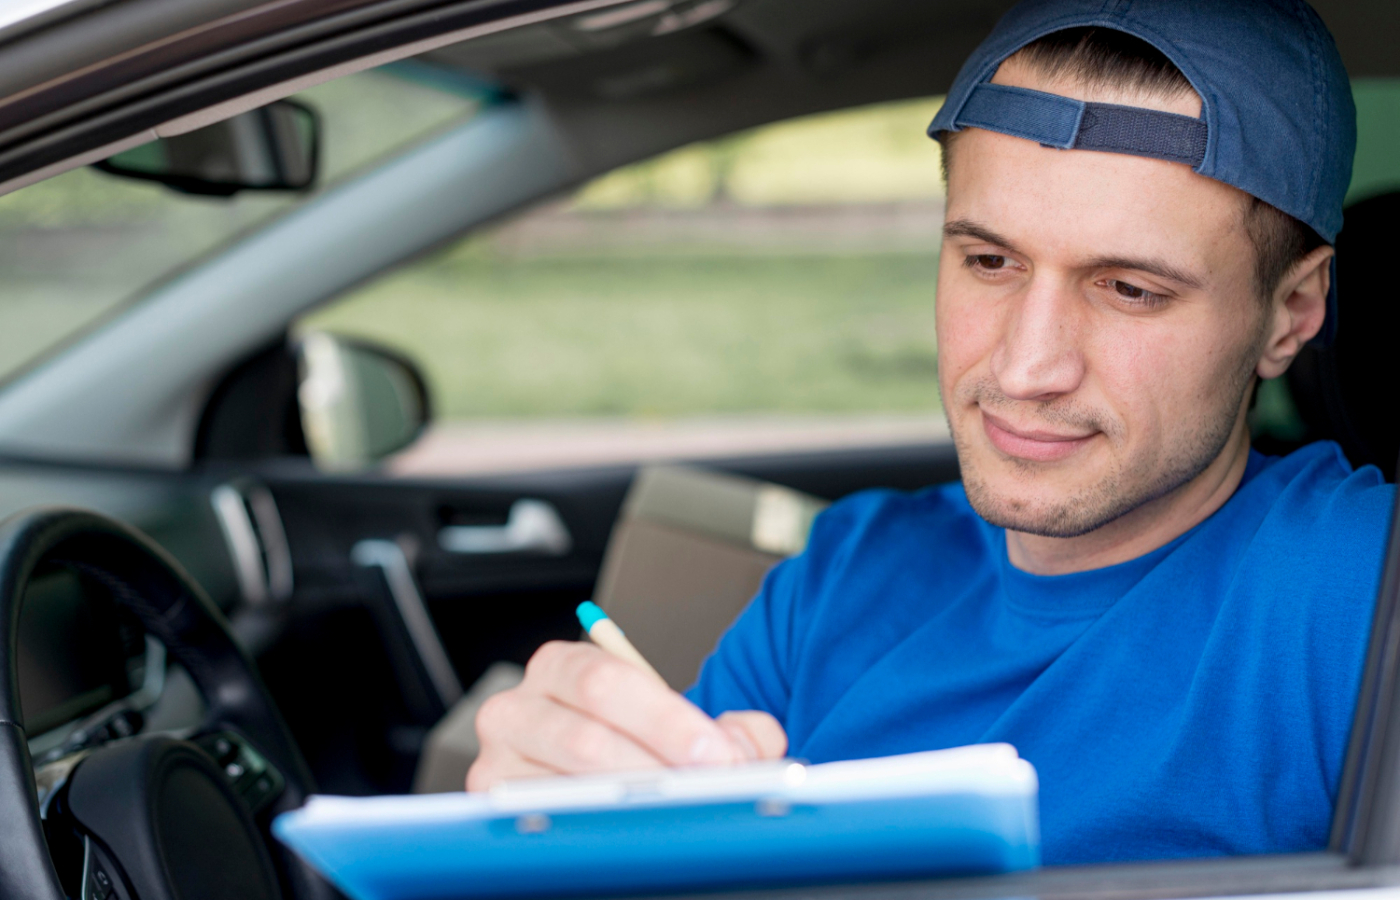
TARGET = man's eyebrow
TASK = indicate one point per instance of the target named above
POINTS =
(969, 228)
(1152, 267)
(1160, 268)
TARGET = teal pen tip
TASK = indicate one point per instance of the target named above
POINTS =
(590, 614)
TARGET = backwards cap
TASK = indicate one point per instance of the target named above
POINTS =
(1277, 118)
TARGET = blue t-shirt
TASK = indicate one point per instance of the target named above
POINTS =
(1192, 702)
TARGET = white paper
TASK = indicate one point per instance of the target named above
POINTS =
(985, 769)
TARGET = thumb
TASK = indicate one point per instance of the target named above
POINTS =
(757, 733)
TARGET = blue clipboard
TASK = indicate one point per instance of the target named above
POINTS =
(970, 810)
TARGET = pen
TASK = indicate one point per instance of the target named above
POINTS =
(605, 633)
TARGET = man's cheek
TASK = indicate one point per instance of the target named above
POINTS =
(966, 335)
(1139, 383)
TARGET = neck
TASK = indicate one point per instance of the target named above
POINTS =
(1143, 530)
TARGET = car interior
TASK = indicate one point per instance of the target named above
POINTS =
(211, 575)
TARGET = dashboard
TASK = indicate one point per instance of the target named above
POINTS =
(85, 667)
(78, 650)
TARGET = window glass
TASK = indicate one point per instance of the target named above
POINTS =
(75, 246)
(772, 290)
(1377, 167)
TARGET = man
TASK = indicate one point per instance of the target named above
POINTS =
(1169, 625)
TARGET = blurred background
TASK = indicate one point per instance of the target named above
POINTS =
(772, 290)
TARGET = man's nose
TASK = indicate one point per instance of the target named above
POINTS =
(1039, 357)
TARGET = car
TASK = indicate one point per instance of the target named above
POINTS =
(252, 247)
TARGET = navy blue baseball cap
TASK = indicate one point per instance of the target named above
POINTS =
(1277, 118)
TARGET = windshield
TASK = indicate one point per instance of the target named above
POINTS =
(75, 247)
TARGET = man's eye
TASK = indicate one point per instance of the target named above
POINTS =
(1136, 294)
(987, 261)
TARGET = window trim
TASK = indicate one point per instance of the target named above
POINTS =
(131, 97)
(1366, 824)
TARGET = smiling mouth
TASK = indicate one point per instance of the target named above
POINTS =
(1032, 444)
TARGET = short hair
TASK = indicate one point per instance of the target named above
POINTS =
(1103, 57)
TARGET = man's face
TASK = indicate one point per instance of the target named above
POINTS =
(1098, 326)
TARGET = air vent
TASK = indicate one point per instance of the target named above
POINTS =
(257, 543)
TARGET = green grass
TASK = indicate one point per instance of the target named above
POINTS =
(659, 336)
(868, 154)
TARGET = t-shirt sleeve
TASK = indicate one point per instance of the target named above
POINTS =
(749, 669)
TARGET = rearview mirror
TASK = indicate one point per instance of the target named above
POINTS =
(273, 148)
(359, 403)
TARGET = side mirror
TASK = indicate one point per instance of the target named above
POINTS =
(359, 403)
(273, 148)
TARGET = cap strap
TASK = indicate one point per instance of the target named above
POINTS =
(1068, 124)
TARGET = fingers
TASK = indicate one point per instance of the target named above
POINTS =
(580, 710)
(572, 743)
(497, 733)
(490, 770)
(564, 740)
(633, 703)
(757, 733)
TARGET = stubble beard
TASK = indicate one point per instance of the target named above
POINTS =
(1128, 485)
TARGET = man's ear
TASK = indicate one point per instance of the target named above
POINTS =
(1297, 310)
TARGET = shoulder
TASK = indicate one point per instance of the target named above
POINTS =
(1316, 490)
(1309, 556)
(1320, 520)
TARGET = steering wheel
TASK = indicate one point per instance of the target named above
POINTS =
(158, 816)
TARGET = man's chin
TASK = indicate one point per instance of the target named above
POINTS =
(1029, 516)
(1053, 500)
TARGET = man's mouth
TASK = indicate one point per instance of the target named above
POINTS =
(1034, 444)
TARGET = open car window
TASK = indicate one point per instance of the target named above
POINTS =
(769, 291)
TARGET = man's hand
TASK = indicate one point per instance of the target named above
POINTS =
(581, 710)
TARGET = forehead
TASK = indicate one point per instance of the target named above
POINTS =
(1090, 202)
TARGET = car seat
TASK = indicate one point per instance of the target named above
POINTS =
(689, 552)
(1339, 392)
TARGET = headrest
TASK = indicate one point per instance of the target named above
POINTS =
(1341, 391)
